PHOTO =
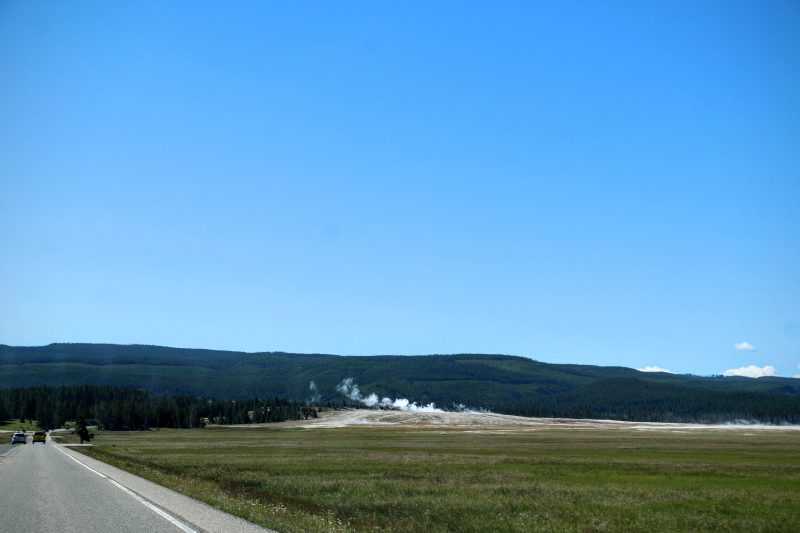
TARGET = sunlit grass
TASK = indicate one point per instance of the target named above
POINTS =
(392, 479)
(14, 424)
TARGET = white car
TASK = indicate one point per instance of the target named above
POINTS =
(19, 437)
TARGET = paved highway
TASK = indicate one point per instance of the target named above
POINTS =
(46, 487)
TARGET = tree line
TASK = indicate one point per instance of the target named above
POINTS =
(116, 408)
(636, 400)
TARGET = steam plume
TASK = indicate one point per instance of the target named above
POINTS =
(315, 397)
(349, 388)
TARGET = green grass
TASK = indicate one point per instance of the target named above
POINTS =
(393, 479)
(14, 424)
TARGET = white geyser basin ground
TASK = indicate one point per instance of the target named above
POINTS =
(497, 423)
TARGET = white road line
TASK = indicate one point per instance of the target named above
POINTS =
(179, 524)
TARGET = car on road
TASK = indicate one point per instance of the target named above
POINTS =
(19, 438)
(39, 436)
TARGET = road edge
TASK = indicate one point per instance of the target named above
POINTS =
(171, 505)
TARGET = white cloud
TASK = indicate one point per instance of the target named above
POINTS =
(797, 375)
(744, 345)
(751, 371)
(655, 369)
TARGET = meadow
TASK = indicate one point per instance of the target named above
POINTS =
(384, 478)
(16, 424)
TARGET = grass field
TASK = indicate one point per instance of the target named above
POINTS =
(14, 425)
(424, 479)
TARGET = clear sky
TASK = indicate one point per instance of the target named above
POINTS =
(614, 183)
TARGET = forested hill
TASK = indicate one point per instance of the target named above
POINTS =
(500, 383)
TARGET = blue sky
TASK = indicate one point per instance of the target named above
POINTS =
(613, 183)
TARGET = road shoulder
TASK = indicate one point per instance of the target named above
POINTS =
(201, 516)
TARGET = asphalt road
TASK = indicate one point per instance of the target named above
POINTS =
(45, 487)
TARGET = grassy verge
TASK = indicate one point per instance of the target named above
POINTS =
(14, 425)
(392, 479)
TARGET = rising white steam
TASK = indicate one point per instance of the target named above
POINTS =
(349, 388)
(315, 397)
(461, 408)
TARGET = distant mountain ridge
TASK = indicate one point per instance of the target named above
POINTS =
(501, 383)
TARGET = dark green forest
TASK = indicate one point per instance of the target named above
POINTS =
(500, 383)
(115, 408)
